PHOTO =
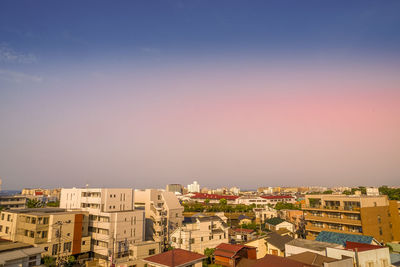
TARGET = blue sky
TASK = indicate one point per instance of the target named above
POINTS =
(96, 89)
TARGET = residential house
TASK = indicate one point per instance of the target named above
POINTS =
(276, 223)
(260, 245)
(239, 235)
(265, 213)
(362, 254)
(175, 258)
(57, 231)
(19, 254)
(243, 219)
(230, 254)
(275, 244)
(375, 216)
(200, 232)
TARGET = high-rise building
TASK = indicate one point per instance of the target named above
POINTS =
(163, 213)
(194, 188)
(114, 223)
(374, 216)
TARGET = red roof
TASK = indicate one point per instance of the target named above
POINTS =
(276, 197)
(213, 196)
(360, 246)
(227, 250)
(248, 231)
(175, 257)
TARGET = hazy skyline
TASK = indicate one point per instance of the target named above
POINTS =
(145, 93)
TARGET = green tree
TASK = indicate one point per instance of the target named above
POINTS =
(223, 201)
(53, 204)
(327, 192)
(209, 253)
(347, 192)
(207, 201)
(49, 261)
(34, 203)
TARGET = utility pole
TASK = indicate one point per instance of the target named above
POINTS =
(59, 224)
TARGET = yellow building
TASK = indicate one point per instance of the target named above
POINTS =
(374, 216)
(58, 232)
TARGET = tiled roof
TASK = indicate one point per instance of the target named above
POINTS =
(212, 196)
(241, 230)
(341, 238)
(274, 221)
(311, 258)
(175, 257)
(278, 241)
(360, 246)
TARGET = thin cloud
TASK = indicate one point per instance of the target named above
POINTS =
(9, 55)
(18, 77)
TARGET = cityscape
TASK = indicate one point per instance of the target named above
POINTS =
(187, 133)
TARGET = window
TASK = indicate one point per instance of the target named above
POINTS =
(174, 239)
(54, 250)
(201, 239)
(46, 220)
(7, 229)
(33, 221)
(44, 234)
(46, 248)
(83, 242)
(192, 241)
(2, 216)
(152, 251)
(379, 219)
(1, 228)
(8, 217)
(67, 246)
(380, 230)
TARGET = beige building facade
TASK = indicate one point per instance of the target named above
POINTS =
(58, 232)
(114, 223)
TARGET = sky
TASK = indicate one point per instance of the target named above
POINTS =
(247, 93)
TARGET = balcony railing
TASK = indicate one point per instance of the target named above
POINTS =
(331, 208)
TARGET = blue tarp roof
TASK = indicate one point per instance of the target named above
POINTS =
(341, 238)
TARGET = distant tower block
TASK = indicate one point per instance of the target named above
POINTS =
(0, 184)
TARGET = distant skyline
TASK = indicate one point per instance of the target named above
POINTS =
(248, 93)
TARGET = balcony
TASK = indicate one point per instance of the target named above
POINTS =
(331, 208)
(319, 229)
(332, 220)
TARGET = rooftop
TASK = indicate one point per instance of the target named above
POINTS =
(42, 211)
(274, 221)
(175, 257)
(311, 244)
(361, 246)
(311, 258)
(7, 245)
(341, 238)
(278, 241)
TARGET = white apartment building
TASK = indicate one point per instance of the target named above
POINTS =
(163, 213)
(199, 233)
(114, 223)
(194, 188)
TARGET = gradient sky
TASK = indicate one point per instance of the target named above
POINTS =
(247, 93)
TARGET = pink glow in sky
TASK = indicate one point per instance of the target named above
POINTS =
(251, 127)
